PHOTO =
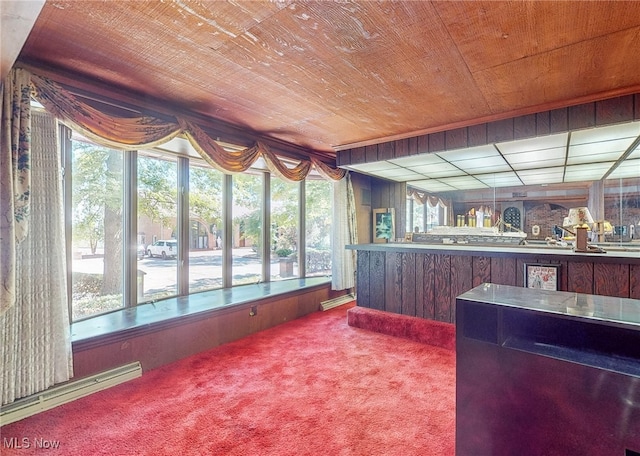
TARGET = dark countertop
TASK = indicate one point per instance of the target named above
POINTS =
(612, 255)
(614, 311)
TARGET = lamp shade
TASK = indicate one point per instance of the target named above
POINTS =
(579, 216)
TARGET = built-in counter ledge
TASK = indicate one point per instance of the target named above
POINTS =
(626, 254)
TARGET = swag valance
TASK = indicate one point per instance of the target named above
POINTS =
(131, 133)
(433, 201)
(423, 198)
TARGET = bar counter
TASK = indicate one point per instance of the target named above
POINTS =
(424, 279)
(547, 372)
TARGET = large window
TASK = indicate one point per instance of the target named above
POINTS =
(284, 229)
(247, 230)
(96, 229)
(318, 226)
(150, 224)
(422, 217)
(205, 228)
(157, 186)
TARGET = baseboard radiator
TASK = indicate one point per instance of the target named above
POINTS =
(67, 392)
(335, 302)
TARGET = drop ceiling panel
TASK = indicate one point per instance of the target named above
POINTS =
(595, 157)
(539, 143)
(474, 163)
(586, 172)
(555, 153)
(399, 174)
(629, 169)
(467, 154)
(500, 179)
(431, 185)
(542, 176)
(609, 133)
(422, 159)
(438, 170)
(463, 182)
(372, 167)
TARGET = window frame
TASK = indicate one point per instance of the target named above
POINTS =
(130, 209)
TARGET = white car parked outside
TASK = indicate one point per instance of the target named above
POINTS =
(165, 249)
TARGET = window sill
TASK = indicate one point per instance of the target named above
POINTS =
(170, 312)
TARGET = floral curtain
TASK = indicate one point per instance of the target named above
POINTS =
(144, 131)
(343, 233)
(15, 176)
(35, 341)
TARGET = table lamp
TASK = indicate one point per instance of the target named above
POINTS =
(581, 220)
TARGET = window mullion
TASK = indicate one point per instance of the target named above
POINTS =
(66, 157)
(302, 229)
(182, 226)
(129, 235)
(266, 227)
(227, 231)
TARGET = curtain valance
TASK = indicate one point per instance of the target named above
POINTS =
(137, 132)
(423, 198)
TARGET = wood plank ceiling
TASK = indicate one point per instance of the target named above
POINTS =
(328, 75)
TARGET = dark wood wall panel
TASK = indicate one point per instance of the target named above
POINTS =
(634, 280)
(461, 279)
(582, 116)
(376, 280)
(420, 285)
(429, 285)
(614, 110)
(436, 142)
(503, 271)
(386, 151)
(481, 270)
(408, 291)
(393, 282)
(393, 195)
(520, 271)
(422, 144)
(558, 120)
(371, 153)
(611, 279)
(542, 123)
(580, 277)
(426, 284)
(412, 145)
(525, 127)
(477, 135)
(442, 286)
(362, 277)
(402, 147)
(500, 131)
(358, 155)
(455, 139)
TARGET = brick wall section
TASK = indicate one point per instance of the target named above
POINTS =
(546, 217)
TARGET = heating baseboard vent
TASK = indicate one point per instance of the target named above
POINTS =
(67, 392)
(335, 302)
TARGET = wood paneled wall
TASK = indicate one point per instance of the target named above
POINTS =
(426, 284)
(170, 341)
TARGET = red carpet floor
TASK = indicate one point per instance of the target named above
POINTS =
(313, 386)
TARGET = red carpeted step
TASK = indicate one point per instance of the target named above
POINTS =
(417, 329)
